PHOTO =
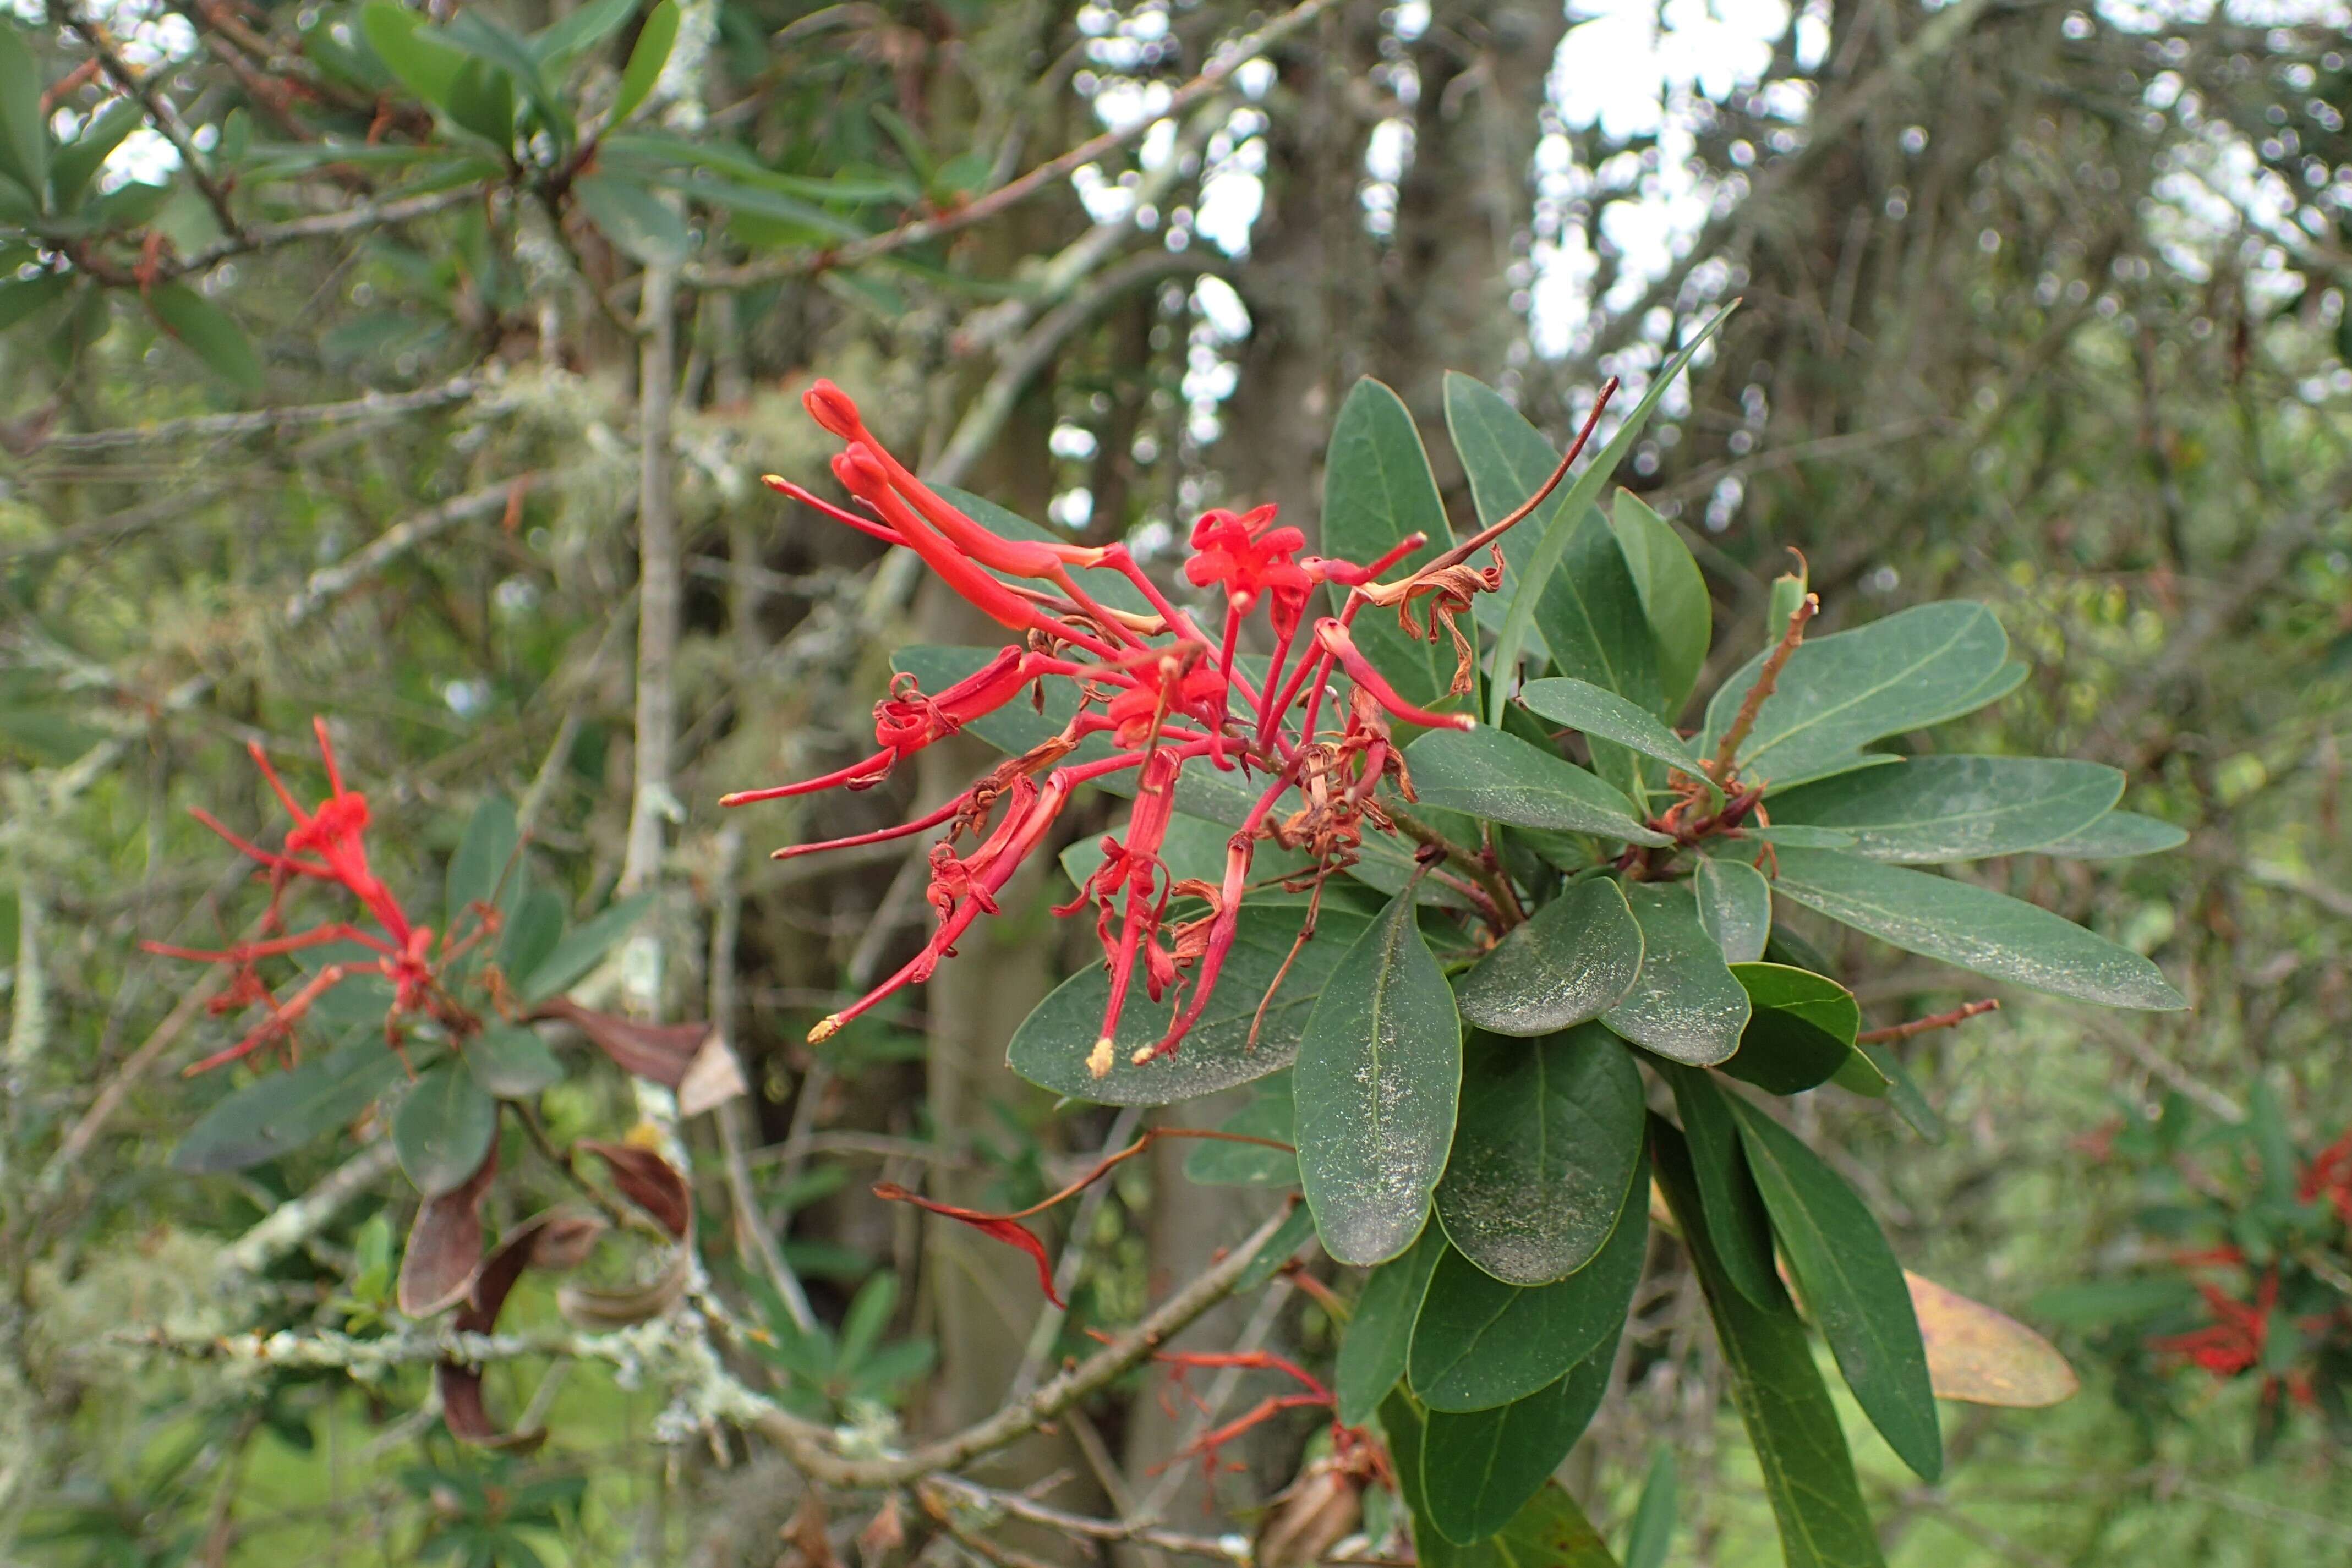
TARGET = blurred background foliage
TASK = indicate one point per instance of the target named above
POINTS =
(316, 402)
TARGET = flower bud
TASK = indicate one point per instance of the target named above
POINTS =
(832, 408)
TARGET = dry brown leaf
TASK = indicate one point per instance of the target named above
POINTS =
(711, 1079)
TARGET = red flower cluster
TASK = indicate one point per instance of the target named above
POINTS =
(1163, 692)
(2233, 1341)
(335, 835)
(2329, 1177)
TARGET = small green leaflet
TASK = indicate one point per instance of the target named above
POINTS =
(1573, 961)
(1686, 1006)
(1973, 927)
(1735, 905)
(1808, 1469)
(1492, 775)
(646, 57)
(1595, 711)
(1051, 1046)
(445, 1126)
(1933, 809)
(1480, 1343)
(1377, 489)
(1673, 595)
(1379, 1338)
(1544, 1152)
(1917, 667)
(1851, 1283)
(1479, 1468)
(208, 332)
(1379, 1073)
(1735, 1218)
(1801, 1033)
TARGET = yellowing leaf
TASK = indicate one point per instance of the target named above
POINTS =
(1981, 1356)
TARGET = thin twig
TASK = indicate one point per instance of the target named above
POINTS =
(1958, 1015)
(271, 421)
(158, 110)
(1727, 752)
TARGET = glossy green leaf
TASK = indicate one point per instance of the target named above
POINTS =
(1550, 1133)
(1956, 808)
(1480, 1343)
(1051, 1046)
(634, 218)
(1800, 1033)
(1574, 960)
(1735, 905)
(77, 162)
(1499, 777)
(1651, 1535)
(555, 45)
(1479, 1468)
(414, 53)
(1583, 595)
(2118, 835)
(494, 44)
(478, 871)
(1673, 595)
(1686, 1006)
(209, 332)
(1597, 711)
(1735, 1216)
(24, 143)
(1379, 1338)
(581, 948)
(280, 1111)
(1379, 1074)
(1852, 1285)
(444, 1127)
(1549, 1531)
(1808, 1470)
(20, 297)
(1900, 1091)
(532, 930)
(482, 100)
(512, 1063)
(1378, 488)
(1917, 667)
(1973, 927)
(1506, 459)
(1269, 1114)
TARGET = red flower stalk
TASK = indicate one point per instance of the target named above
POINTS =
(335, 833)
(1165, 694)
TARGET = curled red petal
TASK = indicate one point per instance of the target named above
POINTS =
(1011, 1232)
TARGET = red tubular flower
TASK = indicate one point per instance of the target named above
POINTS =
(1134, 868)
(1247, 558)
(1334, 639)
(2233, 1342)
(335, 832)
(1135, 715)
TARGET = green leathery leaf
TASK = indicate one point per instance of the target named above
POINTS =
(2118, 835)
(1550, 1133)
(1549, 1531)
(1800, 1447)
(1378, 1079)
(560, 43)
(511, 1062)
(1973, 927)
(1379, 1338)
(1651, 1535)
(1585, 608)
(208, 332)
(1686, 1006)
(531, 932)
(1595, 711)
(1480, 1343)
(415, 54)
(77, 162)
(1852, 1285)
(1800, 1033)
(444, 1127)
(1051, 1046)
(481, 100)
(1914, 668)
(1506, 459)
(646, 57)
(1674, 594)
(1498, 777)
(1479, 1468)
(580, 949)
(24, 142)
(1735, 1216)
(1574, 960)
(1931, 809)
(1377, 489)
(1269, 1114)
(282, 1111)
(20, 297)
(494, 44)
(479, 866)
(633, 217)
(1735, 904)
